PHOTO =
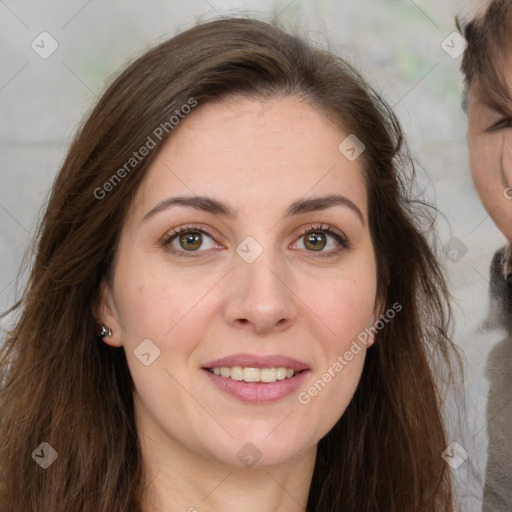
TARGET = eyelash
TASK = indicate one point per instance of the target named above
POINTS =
(312, 228)
(501, 125)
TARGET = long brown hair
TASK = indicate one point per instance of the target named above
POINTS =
(62, 385)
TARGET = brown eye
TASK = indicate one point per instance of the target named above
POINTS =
(315, 241)
(187, 240)
(500, 125)
(190, 241)
(323, 240)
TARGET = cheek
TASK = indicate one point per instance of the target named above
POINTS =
(345, 306)
(347, 303)
(349, 310)
(154, 300)
(491, 170)
(147, 308)
(485, 165)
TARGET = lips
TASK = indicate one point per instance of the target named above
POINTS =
(256, 379)
(253, 361)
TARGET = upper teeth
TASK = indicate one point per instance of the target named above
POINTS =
(254, 374)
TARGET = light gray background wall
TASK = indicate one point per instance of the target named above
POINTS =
(396, 43)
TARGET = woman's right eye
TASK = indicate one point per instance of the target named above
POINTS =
(187, 240)
(184, 241)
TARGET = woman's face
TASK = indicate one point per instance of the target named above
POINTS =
(241, 287)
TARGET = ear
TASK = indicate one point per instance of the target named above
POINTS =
(105, 313)
(378, 311)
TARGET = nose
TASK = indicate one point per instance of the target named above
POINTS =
(261, 296)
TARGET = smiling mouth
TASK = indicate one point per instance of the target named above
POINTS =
(250, 374)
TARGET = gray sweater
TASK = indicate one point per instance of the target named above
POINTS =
(498, 474)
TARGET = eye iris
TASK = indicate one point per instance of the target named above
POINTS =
(190, 238)
(317, 240)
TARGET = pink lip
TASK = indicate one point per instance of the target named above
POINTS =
(257, 392)
(255, 361)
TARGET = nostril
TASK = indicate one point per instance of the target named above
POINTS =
(508, 278)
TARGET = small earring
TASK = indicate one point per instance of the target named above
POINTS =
(103, 331)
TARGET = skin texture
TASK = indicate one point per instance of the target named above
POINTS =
(258, 156)
(490, 156)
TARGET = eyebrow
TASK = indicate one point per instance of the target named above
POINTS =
(499, 106)
(210, 205)
(499, 98)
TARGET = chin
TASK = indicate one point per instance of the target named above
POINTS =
(258, 451)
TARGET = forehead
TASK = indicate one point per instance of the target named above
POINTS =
(492, 87)
(285, 122)
(254, 152)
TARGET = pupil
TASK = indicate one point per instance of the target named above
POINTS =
(194, 239)
(316, 240)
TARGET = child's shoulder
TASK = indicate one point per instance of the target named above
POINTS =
(500, 287)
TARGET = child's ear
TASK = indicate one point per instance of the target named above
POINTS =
(105, 313)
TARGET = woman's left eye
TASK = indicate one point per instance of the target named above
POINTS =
(186, 240)
(316, 239)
